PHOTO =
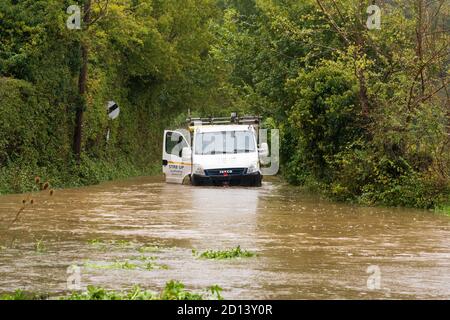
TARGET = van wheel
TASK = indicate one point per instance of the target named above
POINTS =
(193, 181)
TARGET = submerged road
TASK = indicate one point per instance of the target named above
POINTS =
(307, 248)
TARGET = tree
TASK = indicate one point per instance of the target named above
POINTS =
(83, 76)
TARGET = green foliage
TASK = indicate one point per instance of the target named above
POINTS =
(224, 254)
(96, 242)
(97, 293)
(154, 266)
(363, 113)
(22, 295)
(444, 209)
(124, 265)
(174, 290)
(151, 58)
(325, 115)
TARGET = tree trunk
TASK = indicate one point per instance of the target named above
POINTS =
(82, 85)
(419, 34)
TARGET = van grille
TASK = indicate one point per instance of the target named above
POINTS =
(226, 172)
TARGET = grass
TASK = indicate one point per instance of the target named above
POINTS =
(225, 254)
(444, 209)
(173, 290)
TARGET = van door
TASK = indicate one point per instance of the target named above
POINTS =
(175, 167)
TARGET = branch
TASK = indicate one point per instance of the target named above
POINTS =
(423, 99)
(420, 70)
(333, 23)
(102, 12)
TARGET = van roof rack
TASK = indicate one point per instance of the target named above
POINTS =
(233, 119)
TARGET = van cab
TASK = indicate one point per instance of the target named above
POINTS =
(215, 151)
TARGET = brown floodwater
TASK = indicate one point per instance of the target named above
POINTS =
(307, 247)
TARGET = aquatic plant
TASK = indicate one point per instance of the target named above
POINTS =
(39, 246)
(173, 290)
(112, 243)
(124, 265)
(225, 254)
(216, 291)
(155, 266)
(22, 295)
(143, 258)
(95, 242)
(149, 248)
(98, 293)
(129, 265)
(17, 295)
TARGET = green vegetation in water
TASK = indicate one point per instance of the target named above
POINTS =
(144, 258)
(96, 242)
(122, 244)
(22, 295)
(224, 254)
(174, 290)
(149, 248)
(39, 246)
(155, 266)
(144, 264)
(97, 293)
(124, 265)
(117, 243)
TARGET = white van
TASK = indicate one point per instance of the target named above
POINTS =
(215, 151)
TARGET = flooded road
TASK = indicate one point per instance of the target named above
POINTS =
(307, 248)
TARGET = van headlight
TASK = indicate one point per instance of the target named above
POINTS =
(198, 169)
(254, 167)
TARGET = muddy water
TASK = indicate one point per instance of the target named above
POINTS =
(307, 248)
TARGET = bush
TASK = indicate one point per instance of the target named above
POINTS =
(324, 117)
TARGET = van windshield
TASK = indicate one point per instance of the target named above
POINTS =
(224, 142)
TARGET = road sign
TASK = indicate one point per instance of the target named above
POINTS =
(113, 110)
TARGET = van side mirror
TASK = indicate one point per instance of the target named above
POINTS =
(263, 150)
(186, 154)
